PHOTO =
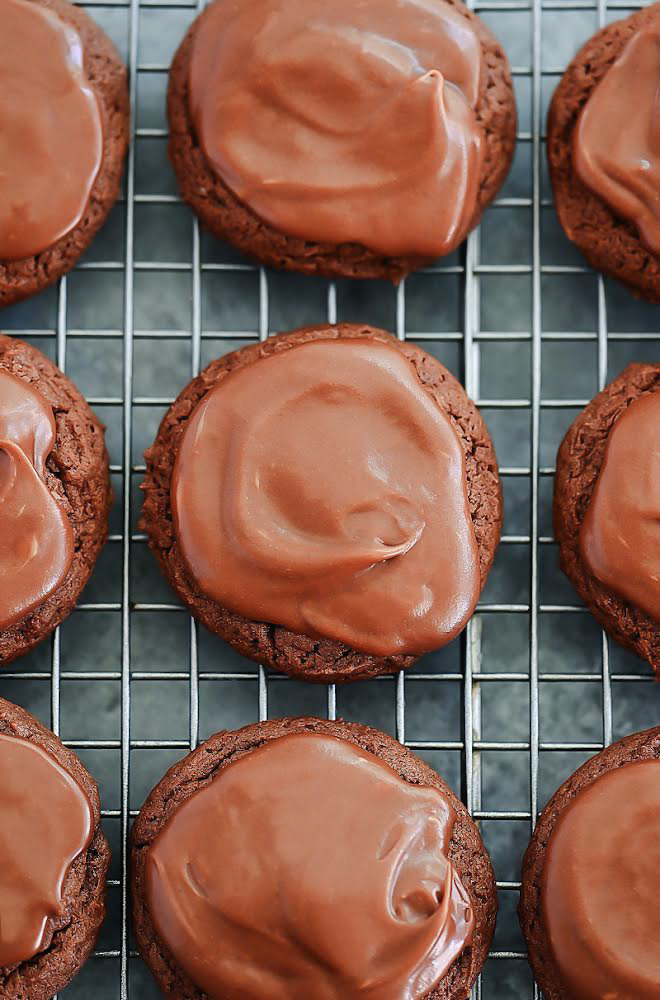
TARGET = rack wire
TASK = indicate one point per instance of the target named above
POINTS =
(500, 712)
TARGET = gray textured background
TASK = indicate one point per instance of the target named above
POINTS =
(175, 309)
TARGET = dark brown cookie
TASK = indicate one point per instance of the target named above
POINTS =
(321, 660)
(639, 747)
(77, 475)
(466, 852)
(230, 219)
(107, 75)
(609, 243)
(579, 462)
(74, 932)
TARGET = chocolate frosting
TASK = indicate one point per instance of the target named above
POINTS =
(601, 886)
(36, 540)
(309, 868)
(344, 122)
(51, 136)
(323, 489)
(620, 534)
(46, 822)
(616, 149)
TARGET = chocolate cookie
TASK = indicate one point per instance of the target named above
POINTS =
(54, 496)
(346, 110)
(591, 922)
(609, 218)
(80, 110)
(412, 456)
(186, 791)
(54, 860)
(618, 583)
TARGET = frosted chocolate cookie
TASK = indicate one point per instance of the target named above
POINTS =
(54, 860)
(607, 509)
(328, 502)
(604, 155)
(349, 139)
(64, 125)
(591, 880)
(305, 858)
(54, 496)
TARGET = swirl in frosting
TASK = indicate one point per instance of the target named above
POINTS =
(309, 868)
(323, 488)
(36, 539)
(344, 122)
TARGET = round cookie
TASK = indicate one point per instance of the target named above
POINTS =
(107, 76)
(644, 746)
(312, 659)
(579, 463)
(73, 932)
(610, 243)
(76, 475)
(466, 851)
(231, 219)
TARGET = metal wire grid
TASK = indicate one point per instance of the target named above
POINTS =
(473, 675)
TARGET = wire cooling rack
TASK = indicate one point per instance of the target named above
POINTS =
(533, 687)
